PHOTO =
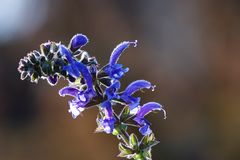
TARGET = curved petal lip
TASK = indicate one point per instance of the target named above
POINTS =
(70, 91)
(137, 85)
(116, 53)
(149, 107)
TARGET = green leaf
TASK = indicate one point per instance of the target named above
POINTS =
(147, 154)
(146, 139)
(151, 137)
(133, 141)
(125, 114)
(123, 127)
(34, 77)
(148, 142)
(139, 157)
(119, 129)
(116, 131)
(153, 143)
(124, 151)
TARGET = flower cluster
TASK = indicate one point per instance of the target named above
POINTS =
(90, 86)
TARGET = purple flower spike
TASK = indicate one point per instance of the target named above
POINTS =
(78, 41)
(118, 51)
(75, 68)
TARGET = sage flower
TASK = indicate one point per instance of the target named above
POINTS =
(113, 69)
(142, 112)
(89, 85)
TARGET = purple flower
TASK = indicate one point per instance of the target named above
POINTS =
(78, 41)
(142, 112)
(108, 121)
(81, 99)
(76, 68)
(114, 70)
(64, 51)
(131, 89)
(111, 91)
(73, 68)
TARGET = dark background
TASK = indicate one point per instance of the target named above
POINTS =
(189, 48)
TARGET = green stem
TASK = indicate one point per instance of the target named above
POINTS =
(124, 136)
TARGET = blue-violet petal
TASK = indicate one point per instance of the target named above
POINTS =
(149, 107)
(78, 41)
(118, 51)
(70, 91)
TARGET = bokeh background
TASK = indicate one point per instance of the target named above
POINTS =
(189, 48)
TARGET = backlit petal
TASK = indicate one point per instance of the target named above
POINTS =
(78, 41)
(118, 51)
(69, 91)
(137, 85)
(149, 107)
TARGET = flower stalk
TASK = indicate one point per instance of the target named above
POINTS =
(90, 86)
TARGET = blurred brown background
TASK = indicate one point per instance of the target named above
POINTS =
(189, 48)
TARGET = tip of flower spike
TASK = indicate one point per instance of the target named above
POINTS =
(78, 41)
(21, 64)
